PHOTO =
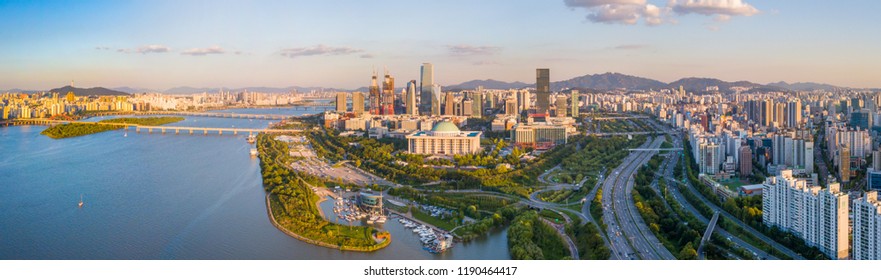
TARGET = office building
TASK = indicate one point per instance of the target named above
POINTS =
(746, 161)
(867, 227)
(445, 138)
(477, 104)
(561, 106)
(575, 96)
(819, 216)
(542, 90)
(873, 172)
(410, 104)
(358, 103)
(426, 98)
(341, 102)
(844, 164)
(448, 104)
(436, 100)
(539, 136)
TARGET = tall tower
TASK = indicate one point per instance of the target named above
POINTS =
(374, 96)
(426, 100)
(388, 95)
(448, 102)
(542, 90)
(411, 99)
(477, 104)
(575, 100)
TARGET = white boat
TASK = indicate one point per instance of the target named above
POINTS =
(80, 205)
(253, 151)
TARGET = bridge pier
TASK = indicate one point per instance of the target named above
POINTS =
(206, 132)
(150, 131)
(235, 132)
(138, 129)
(176, 131)
(191, 132)
(163, 131)
(219, 132)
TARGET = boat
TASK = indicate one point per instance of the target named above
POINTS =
(125, 134)
(253, 151)
(440, 245)
(80, 205)
(252, 139)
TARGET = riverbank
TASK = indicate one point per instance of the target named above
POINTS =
(384, 243)
(293, 205)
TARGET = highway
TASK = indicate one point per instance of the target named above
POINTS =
(627, 232)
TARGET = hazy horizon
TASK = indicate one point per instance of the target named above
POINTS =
(336, 44)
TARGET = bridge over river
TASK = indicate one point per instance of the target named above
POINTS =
(162, 129)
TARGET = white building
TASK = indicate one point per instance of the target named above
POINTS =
(867, 227)
(444, 139)
(819, 216)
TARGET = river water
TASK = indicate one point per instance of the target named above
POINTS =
(155, 196)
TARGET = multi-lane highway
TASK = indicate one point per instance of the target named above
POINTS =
(630, 238)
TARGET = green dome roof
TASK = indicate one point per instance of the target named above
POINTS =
(445, 126)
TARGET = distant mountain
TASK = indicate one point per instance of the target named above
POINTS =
(701, 84)
(487, 84)
(193, 90)
(95, 91)
(133, 90)
(609, 81)
(804, 86)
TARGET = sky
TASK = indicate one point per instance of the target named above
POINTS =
(333, 43)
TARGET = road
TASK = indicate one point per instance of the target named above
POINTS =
(630, 238)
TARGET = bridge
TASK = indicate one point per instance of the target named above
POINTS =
(196, 114)
(163, 129)
(709, 232)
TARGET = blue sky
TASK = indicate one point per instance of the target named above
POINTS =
(163, 44)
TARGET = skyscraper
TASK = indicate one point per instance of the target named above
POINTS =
(426, 100)
(448, 104)
(477, 104)
(388, 95)
(844, 164)
(436, 99)
(575, 100)
(542, 90)
(375, 99)
(561, 106)
(411, 99)
(358, 103)
(341, 102)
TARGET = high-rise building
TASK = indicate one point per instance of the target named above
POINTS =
(873, 172)
(436, 94)
(388, 95)
(375, 98)
(427, 102)
(341, 102)
(358, 103)
(411, 107)
(819, 216)
(477, 104)
(524, 100)
(844, 164)
(561, 109)
(746, 161)
(542, 90)
(867, 227)
(511, 106)
(575, 103)
(448, 104)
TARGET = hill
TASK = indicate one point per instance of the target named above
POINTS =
(609, 81)
(804, 86)
(700, 85)
(487, 84)
(95, 91)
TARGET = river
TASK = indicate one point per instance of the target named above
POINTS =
(155, 196)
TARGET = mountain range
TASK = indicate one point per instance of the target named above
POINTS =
(95, 91)
(586, 83)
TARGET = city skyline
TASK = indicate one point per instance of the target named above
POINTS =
(160, 45)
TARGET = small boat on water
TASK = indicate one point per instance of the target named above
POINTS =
(80, 205)
(253, 151)
(252, 139)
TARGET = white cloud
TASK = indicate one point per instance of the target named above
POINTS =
(146, 49)
(203, 51)
(473, 50)
(318, 50)
(631, 12)
(713, 7)
(620, 11)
